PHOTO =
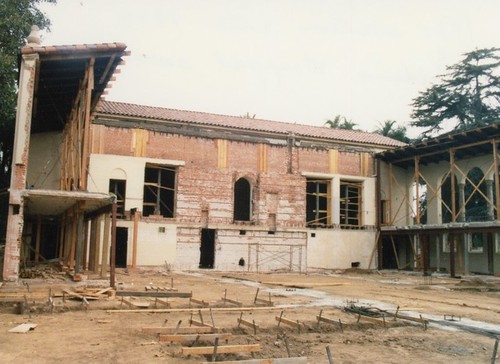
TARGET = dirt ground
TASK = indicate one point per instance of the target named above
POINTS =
(103, 331)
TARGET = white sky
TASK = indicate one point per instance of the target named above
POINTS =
(288, 60)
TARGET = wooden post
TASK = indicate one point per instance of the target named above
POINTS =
(329, 354)
(497, 177)
(92, 261)
(74, 226)
(79, 240)
(86, 125)
(105, 245)
(453, 212)
(417, 190)
(134, 246)
(389, 207)
(97, 247)
(85, 244)
(113, 246)
(495, 349)
(37, 241)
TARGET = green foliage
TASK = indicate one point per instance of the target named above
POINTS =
(341, 122)
(391, 129)
(16, 19)
(468, 95)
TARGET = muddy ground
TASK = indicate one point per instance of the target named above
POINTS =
(463, 315)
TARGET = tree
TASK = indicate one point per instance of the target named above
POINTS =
(391, 129)
(468, 95)
(16, 19)
(341, 122)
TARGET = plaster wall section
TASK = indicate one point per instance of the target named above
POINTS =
(45, 167)
(338, 249)
(400, 195)
(260, 249)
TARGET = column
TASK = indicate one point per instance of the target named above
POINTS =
(489, 194)
(461, 202)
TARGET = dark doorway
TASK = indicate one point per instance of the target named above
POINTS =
(121, 247)
(388, 258)
(207, 248)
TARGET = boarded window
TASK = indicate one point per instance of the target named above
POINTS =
(118, 187)
(350, 203)
(242, 200)
(159, 190)
(318, 202)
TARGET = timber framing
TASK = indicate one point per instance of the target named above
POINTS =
(430, 192)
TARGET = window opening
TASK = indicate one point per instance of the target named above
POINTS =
(318, 202)
(159, 190)
(242, 200)
(118, 188)
(350, 203)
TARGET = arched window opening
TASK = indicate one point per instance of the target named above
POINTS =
(242, 200)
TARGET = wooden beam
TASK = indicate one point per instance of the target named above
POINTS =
(184, 338)
(293, 360)
(225, 349)
(219, 309)
(179, 330)
(154, 294)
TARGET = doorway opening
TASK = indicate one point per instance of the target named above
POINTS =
(207, 248)
(121, 247)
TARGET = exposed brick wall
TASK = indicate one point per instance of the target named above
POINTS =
(313, 160)
(194, 151)
(117, 141)
(349, 163)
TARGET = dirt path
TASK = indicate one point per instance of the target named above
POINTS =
(81, 333)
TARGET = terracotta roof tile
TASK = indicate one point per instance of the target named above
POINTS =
(237, 122)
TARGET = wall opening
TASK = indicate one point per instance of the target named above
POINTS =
(118, 188)
(121, 247)
(242, 200)
(350, 203)
(318, 204)
(207, 248)
(159, 190)
(476, 205)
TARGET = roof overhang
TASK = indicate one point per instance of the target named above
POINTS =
(60, 73)
(54, 203)
(474, 142)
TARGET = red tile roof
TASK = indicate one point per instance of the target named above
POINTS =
(237, 122)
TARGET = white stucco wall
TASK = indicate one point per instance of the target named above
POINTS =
(337, 249)
(44, 168)
(104, 167)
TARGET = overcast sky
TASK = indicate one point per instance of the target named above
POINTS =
(287, 60)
